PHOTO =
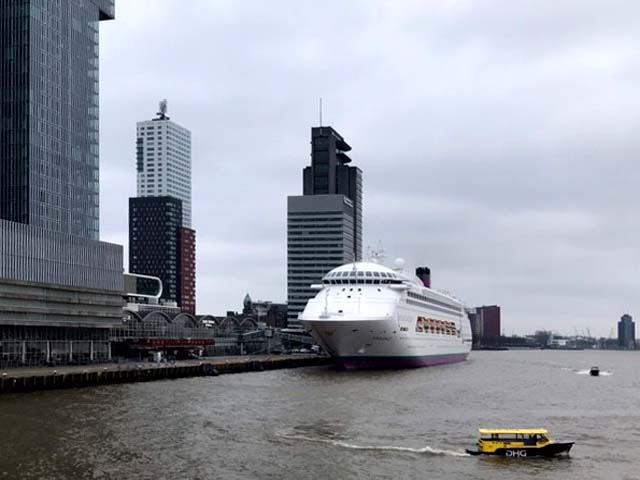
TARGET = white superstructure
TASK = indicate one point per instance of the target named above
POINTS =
(164, 161)
(369, 315)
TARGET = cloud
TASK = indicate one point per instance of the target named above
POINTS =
(496, 140)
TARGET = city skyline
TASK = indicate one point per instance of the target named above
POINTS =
(502, 164)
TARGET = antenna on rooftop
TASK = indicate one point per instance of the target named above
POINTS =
(320, 111)
(376, 255)
(162, 114)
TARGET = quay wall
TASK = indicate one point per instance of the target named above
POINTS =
(31, 380)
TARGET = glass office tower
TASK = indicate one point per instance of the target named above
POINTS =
(49, 113)
(329, 173)
(61, 289)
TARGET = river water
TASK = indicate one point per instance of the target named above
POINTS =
(316, 423)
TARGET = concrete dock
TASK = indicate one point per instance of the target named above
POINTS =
(47, 378)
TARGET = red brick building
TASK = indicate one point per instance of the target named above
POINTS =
(485, 322)
(187, 270)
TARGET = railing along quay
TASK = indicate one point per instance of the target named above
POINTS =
(36, 379)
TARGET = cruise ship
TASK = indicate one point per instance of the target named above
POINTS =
(367, 315)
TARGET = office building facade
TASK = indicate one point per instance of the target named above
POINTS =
(324, 225)
(154, 241)
(60, 287)
(627, 332)
(187, 270)
(163, 161)
(485, 323)
(330, 174)
(49, 160)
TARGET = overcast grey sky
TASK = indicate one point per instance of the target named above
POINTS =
(497, 140)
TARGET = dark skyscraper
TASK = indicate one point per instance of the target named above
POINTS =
(154, 241)
(61, 289)
(324, 226)
(330, 174)
(49, 105)
(627, 332)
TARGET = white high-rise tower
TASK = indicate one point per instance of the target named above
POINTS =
(163, 154)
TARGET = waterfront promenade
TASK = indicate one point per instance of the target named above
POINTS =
(48, 378)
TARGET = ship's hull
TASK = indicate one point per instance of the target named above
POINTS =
(549, 450)
(381, 344)
(381, 362)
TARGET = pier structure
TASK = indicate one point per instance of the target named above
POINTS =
(48, 378)
(142, 334)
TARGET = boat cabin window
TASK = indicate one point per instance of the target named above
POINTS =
(360, 278)
(357, 277)
(530, 439)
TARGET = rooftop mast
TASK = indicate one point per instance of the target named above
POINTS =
(162, 114)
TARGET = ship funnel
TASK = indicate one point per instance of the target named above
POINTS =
(424, 274)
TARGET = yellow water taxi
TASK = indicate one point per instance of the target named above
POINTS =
(520, 443)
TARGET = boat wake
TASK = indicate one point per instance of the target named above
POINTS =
(388, 448)
(603, 373)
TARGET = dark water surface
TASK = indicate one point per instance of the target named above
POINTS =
(318, 423)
